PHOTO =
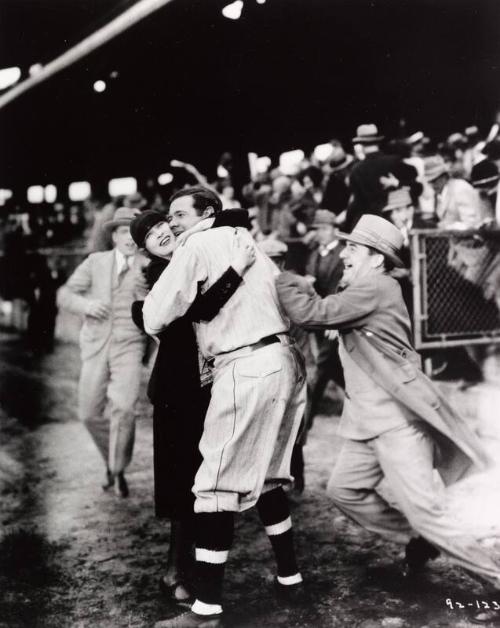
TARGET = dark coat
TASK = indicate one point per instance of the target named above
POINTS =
(375, 330)
(368, 194)
(180, 403)
(332, 273)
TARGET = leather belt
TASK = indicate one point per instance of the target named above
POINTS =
(263, 342)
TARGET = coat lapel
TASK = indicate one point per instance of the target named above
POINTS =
(107, 274)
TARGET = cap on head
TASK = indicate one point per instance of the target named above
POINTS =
(142, 225)
(379, 234)
(323, 217)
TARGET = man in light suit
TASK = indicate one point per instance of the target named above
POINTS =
(102, 289)
(395, 421)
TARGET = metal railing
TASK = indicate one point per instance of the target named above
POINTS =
(456, 287)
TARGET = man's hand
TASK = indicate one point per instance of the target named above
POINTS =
(243, 255)
(389, 181)
(203, 225)
(310, 279)
(97, 309)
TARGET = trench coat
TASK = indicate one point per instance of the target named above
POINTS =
(374, 328)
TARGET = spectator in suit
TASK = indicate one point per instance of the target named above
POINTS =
(458, 205)
(337, 191)
(102, 289)
(324, 270)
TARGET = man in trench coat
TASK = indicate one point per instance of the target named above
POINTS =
(396, 423)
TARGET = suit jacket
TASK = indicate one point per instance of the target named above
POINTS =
(93, 279)
(459, 204)
(334, 267)
(375, 330)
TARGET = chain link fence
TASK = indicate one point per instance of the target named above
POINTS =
(456, 287)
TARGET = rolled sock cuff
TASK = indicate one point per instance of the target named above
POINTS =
(214, 557)
(289, 580)
(201, 608)
(279, 528)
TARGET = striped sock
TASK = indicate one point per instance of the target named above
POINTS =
(214, 537)
(275, 515)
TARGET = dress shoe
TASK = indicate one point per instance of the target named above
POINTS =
(121, 486)
(290, 593)
(191, 620)
(418, 552)
(109, 481)
(176, 592)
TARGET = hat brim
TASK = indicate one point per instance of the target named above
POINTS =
(315, 225)
(486, 182)
(389, 208)
(395, 259)
(374, 139)
(113, 224)
(436, 175)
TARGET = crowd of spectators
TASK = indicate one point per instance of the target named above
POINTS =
(413, 181)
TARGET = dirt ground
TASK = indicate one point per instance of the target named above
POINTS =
(74, 556)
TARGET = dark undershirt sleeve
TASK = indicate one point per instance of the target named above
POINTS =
(206, 306)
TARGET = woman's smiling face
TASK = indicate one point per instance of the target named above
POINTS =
(160, 241)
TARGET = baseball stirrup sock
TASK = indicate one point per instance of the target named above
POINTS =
(214, 537)
(275, 515)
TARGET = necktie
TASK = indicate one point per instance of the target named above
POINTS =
(124, 269)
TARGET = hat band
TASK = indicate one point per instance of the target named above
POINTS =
(375, 240)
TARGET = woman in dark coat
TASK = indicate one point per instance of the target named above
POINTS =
(179, 389)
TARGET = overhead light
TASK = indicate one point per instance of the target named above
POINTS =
(9, 76)
(4, 196)
(50, 193)
(222, 173)
(290, 161)
(36, 68)
(79, 190)
(165, 178)
(323, 151)
(35, 194)
(122, 187)
(99, 86)
(114, 74)
(261, 1)
(233, 11)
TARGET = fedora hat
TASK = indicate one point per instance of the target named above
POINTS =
(367, 134)
(397, 199)
(485, 175)
(434, 167)
(123, 216)
(379, 234)
(323, 217)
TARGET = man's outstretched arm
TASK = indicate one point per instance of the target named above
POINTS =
(175, 290)
(306, 308)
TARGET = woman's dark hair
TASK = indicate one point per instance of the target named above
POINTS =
(202, 198)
